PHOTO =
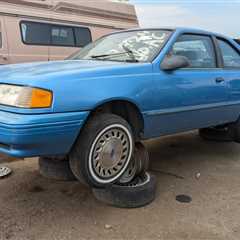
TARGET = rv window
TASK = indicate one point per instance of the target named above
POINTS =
(83, 36)
(62, 36)
(35, 33)
(0, 35)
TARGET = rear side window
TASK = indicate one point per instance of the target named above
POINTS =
(231, 56)
(237, 41)
(62, 36)
(35, 33)
(83, 36)
(198, 49)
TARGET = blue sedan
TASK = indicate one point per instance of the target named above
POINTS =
(125, 87)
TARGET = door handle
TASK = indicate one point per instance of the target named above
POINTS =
(219, 80)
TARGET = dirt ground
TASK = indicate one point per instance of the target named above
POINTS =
(32, 207)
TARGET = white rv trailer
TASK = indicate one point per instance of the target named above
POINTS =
(42, 30)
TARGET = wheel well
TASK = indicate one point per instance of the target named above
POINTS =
(127, 111)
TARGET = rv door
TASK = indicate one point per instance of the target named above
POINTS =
(4, 58)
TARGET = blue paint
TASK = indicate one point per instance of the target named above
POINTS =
(173, 102)
(39, 134)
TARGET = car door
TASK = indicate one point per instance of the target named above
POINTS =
(4, 58)
(231, 74)
(193, 97)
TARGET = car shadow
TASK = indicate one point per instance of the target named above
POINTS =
(188, 149)
(187, 156)
(176, 160)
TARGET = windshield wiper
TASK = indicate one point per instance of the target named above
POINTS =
(108, 55)
(129, 52)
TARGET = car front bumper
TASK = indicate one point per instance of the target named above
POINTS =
(25, 135)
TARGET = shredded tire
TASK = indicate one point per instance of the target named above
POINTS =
(138, 193)
(54, 169)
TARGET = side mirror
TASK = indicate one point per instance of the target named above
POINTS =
(174, 62)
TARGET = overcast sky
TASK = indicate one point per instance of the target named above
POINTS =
(221, 16)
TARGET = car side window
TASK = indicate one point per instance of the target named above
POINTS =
(237, 41)
(198, 49)
(231, 57)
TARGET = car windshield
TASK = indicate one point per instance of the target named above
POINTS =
(131, 46)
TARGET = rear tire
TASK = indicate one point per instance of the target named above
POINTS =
(234, 130)
(216, 134)
(103, 150)
(138, 193)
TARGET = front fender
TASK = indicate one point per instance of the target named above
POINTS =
(135, 86)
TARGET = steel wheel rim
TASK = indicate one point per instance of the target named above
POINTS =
(138, 164)
(5, 171)
(130, 172)
(137, 181)
(110, 153)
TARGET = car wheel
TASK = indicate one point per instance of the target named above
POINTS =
(54, 169)
(143, 158)
(103, 150)
(216, 134)
(138, 193)
(234, 130)
(138, 165)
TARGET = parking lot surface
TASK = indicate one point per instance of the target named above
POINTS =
(35, 208)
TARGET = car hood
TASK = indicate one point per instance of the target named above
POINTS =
(88, 82)
(56, 68)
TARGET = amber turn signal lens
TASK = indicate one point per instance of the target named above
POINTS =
(41, 98)
(25, 96)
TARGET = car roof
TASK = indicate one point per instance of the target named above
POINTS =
(179, 29)
(182, 30)
(199, 31)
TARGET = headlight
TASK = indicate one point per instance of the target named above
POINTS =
(25, 97)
